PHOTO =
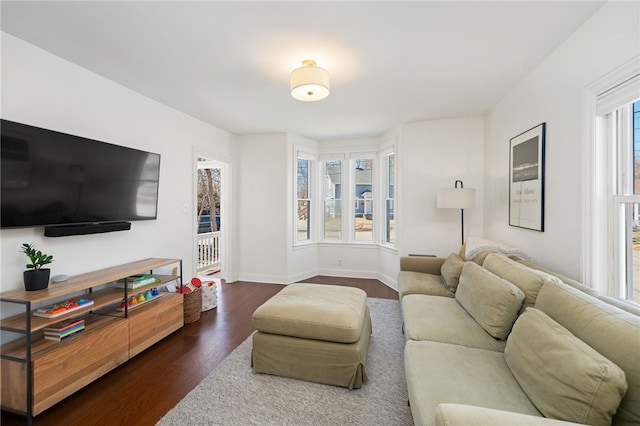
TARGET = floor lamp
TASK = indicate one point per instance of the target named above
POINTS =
(457, 198)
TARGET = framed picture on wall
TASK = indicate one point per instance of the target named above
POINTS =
(526, 179)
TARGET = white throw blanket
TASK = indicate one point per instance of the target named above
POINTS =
(477, 245)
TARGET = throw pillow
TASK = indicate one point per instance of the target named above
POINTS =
(451, 270)
(491, 301)
(564, 377)
(526, 279)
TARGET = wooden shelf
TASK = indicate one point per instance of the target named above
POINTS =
(79, 283)
(49, 370)
(100, 299)
(41, 347)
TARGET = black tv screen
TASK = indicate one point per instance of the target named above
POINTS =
(52, 178)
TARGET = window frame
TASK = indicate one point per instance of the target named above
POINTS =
(378, 157)
(622, 197)
(353, 197)
(603, 234)
(323, 164)
(387, 177)
(311, 194)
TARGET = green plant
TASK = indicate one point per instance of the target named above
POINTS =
(38, 259)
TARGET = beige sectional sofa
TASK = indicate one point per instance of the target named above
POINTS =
(504, 342)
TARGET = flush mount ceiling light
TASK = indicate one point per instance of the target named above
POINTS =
(309, 83)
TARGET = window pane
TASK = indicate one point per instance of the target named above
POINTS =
(303, 178)
(390, 223)
(633, 215)
(332, 195)
(632, 249)
(364, 200)
(391, 172)
(303, 220)
(389, 202)
(333, 219)
(332, 180)
(636, 148)
(303, 225)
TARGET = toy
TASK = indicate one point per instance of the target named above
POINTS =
(62, 308)
(190, 287)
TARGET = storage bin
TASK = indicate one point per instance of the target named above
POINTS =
(192, 306)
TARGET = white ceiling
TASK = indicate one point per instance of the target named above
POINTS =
(228, 63)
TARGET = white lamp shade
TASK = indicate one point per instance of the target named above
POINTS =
(456, 198)
(309, 83)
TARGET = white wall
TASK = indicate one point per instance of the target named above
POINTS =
(432, 155)
(46, 91)
(261, 190)
(554, 94)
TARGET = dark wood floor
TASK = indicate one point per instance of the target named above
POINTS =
(143, 389)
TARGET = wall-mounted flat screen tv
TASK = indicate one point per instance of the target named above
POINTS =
(52, 178)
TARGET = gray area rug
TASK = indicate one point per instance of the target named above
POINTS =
(233, 395)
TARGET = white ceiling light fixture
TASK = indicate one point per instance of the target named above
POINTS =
(309, 82)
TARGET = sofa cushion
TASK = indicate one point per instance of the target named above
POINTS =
(439, 373)
(612, 332)
(426, 264)
(410, 282)
(451, 270)
(493, 302)
(470, 415)
(619, 303)
(442, 319)
(526, 279)
(563, 376)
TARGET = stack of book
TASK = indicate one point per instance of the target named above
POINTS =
(61, 330)
(137, 281)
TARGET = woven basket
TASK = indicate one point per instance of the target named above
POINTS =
(192, 306)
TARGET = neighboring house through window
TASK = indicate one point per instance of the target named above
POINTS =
(363, 196)
(332, 199)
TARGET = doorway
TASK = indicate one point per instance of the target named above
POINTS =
(211, 228)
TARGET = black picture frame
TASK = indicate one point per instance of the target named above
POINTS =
(526, 179)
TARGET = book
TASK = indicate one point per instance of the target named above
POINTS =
(136, 278)
(65, 332)
(60, 338)
(137, 281)
(62, 326)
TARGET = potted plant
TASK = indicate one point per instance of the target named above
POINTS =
(36, 277)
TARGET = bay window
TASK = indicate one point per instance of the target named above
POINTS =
(337, 201)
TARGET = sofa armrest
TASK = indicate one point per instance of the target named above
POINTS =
(427, 265)
(468, 415)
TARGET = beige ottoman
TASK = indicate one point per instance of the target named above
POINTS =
(314, 332)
